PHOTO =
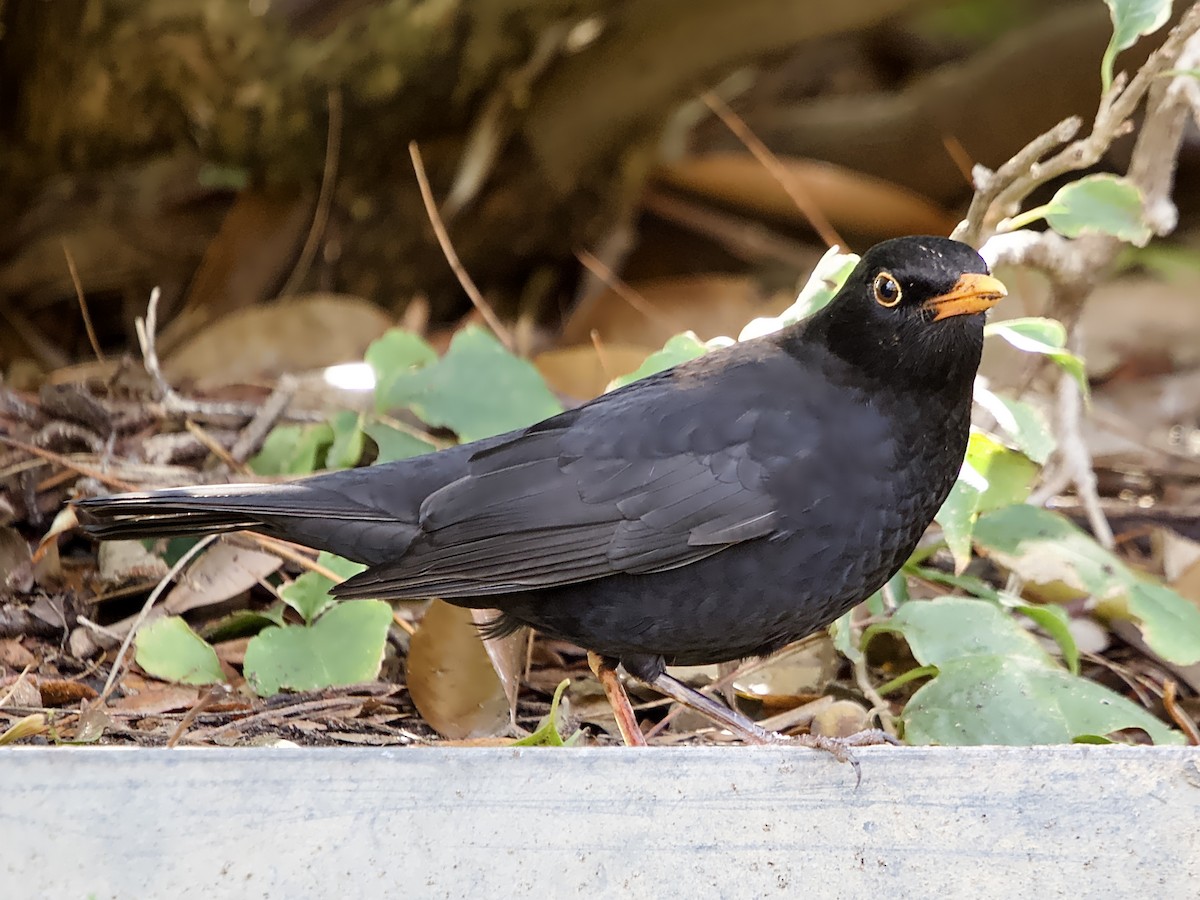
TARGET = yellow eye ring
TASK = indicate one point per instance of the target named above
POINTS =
(887, 290)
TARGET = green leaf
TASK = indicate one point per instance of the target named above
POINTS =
(995, 684)
(1055, 622)
(994, 699)
(242, 623)
(1168, 622)
(395, 444)
(344, 646)
(309, 594)
(292, 450)
(941, 631)
(170, 650)
(1001, 477)
(1023, 422)
(547, 733)
(1131, 20)
(477, 389)
(1045, 549)
(347, 447)
(1045, 336)
(395, 355)
(1100, 204)
(827, 278)
(677, 349)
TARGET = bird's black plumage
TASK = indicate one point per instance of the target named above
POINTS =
(717, 510)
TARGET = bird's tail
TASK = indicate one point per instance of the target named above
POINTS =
(307, 512)
(180, 511)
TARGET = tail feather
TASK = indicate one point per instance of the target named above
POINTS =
(306, 514)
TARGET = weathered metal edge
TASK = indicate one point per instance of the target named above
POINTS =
(724, 822)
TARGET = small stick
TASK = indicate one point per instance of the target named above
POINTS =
(83, 307)
(252, 436)
(456, 266)
(769, 161)
(187, 557)
(333, 142)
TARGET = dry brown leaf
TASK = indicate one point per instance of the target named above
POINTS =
(256, 244)
(507, 655)
(793, 676)
(710, 305)
(224, 571)
(294, 335)
(583, 372)
(233, 652)
(16, 562)
(14, 655)
(159, 698)
(852, 201)
(451, 678)
(121, 562)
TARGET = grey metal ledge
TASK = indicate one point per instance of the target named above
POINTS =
(978, 822)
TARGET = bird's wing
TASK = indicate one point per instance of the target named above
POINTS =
(625, 487)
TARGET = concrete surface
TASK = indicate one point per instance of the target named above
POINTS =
(1078, 821)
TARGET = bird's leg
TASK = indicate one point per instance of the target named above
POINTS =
(605, 669)
(651, 672)
(735, 722)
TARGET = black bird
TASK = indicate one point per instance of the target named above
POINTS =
(717, 510)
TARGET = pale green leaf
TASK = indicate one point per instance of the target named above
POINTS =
(309, 595)
(477, 389)
(396, 354)
(170, 650)
(292, 450)
(677, 349)
(395, 444)
(827, 278)
(1045, 549)
(347, 447)
(1021, 421)
(1131, 20)
(1100, 204)
(1044, 336)
(344, 646)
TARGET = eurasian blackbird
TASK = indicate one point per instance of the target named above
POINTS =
(717, 510)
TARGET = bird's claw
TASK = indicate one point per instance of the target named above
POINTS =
(840, 747)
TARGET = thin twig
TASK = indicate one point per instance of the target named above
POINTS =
(211, 696)
(456, 266)
(625, 292)
(333, 143)
(213, 446)
(253, 435)
(1185, 722)
(82, 300)
(67, 463)
(769, 161)
(174, 571)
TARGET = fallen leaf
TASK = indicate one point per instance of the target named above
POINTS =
(293, 335)
(451, 678)
(159, 698)
(224, 571)
(852, 201)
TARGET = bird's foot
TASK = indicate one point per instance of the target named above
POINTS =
(840, 747)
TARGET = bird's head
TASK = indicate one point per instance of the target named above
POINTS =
(912, 309)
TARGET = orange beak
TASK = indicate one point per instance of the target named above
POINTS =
(971, 294)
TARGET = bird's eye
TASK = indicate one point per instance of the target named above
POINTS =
(887, 289)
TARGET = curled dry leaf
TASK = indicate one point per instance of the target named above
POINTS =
(451, 678)
(224, 571)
